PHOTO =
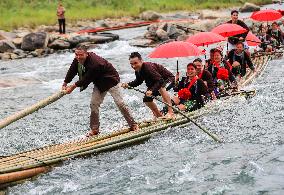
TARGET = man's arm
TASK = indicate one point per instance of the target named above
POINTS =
(242, 24)
(86, 79)
(71, 73)
(230, 56)
(138, 81)
(202, 88)
(249, 62)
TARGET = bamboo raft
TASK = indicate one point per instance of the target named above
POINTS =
(24, 165)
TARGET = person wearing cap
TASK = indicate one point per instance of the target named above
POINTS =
(239, 37)
(239, 59)
(92, 68)
(156, 77)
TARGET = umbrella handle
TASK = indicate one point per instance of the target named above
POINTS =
(177, 66)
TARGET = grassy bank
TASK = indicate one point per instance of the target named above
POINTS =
(31, 13)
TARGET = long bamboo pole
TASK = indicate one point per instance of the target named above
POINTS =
(5, 122)
(184, 115)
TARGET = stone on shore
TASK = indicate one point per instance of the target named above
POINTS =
(9, 56)
(6, 46)
(162, 34)
(34, 41)
(77, 39)
(17, 42)
(5, 56)
(59, 44)
(249, 7)
(149, 16)
(142, 42)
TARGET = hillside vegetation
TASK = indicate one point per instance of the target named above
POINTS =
(31, 13)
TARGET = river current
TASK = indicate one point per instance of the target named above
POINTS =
(180, 160)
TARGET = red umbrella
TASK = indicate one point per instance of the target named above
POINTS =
(205, 38)
(252, 40)
(175, 49)
(266, 15)
(228, 29)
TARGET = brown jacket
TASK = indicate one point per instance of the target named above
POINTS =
(97, 70)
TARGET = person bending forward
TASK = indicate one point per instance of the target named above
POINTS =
(156, 78)
(93, 68)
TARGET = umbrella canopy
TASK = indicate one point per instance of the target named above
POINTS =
(175, 49)
(205, 38)
(252, 40)
(228, 29)
(266, 15)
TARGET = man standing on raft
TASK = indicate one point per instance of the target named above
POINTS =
(156, 78)
(93, 68)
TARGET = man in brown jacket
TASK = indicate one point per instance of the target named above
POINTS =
(93, 68)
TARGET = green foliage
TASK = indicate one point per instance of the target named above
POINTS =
(17, 13)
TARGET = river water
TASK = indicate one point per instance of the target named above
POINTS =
(181, 160)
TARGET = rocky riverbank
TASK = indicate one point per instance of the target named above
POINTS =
(44, 40)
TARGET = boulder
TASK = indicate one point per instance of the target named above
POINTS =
(59, 44)
(40, 52)
(88, 45)
(106, 34)
(6, 46)
(6, 56)
(182, 37)
(175, 31)
(162, 35)
(34, 41)
(249, 7)
(17, 42)
(14, 56)
(18, 52)
(149, 15)
(141, 42)
(100, 39)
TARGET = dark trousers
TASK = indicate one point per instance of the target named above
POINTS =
(61, 26)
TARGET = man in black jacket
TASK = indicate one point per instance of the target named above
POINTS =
(239, 59)
(156, 78)
(93, 68)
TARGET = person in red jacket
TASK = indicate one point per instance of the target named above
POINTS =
(156, 78)
(92, 68)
